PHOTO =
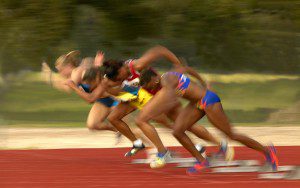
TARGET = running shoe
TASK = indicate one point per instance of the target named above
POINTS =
(201, 149)
(271, 158)
(198, 167)
(134, 150)
(160, 160)
(225, 152)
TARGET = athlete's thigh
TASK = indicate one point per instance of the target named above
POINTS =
(121, 110)
(98, 113)
(174, 112)
(164, 120)
(162, 102)
(188, 117)
(218, 118)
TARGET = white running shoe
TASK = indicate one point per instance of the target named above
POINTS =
(160, 160)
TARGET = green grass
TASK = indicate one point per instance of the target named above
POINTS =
(26, 100)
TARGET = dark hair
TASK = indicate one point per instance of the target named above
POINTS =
(92, 73)
(146, 75)
(111, 68)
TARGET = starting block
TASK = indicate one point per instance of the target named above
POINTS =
(251, 169)
(290, 173)
(172, 160)
(221, 163)
(237, 166)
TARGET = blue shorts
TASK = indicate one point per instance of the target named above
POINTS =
(209, 98)
(108, 101)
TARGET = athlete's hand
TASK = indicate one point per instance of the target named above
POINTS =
(46, 73)
(99, 59)
(45, 67)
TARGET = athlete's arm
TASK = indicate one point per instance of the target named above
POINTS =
(97, 93)
(154, 54)
(114, 90)
(54, 79)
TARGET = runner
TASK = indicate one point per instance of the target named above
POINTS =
(202, 102)
(70, 68)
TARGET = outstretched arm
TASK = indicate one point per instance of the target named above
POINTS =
(154, 54)
(97, 93)
(54, 79)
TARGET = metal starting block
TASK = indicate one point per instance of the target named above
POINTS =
(237, 166)
(290, 173)
(251, 169)
(221, 163)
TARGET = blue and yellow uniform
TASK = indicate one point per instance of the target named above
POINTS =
(106, 101)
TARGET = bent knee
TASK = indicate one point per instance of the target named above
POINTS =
(177, 133)
(139, 120)
(232, 135)
(112, 118)
(91, 126)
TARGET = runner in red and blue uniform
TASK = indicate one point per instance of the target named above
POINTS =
(151, 81)
(202, 102)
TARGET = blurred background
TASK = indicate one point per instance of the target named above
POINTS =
(248, 49)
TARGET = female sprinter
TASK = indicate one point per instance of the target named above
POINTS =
(151, 81)
(202, 102)
(69, 67)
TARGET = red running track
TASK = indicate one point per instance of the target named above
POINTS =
(108, 168)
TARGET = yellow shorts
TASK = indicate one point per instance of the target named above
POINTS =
(143, 97)
(126, 97)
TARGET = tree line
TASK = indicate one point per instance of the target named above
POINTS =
(213, 35)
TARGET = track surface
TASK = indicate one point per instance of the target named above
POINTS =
(108, 168)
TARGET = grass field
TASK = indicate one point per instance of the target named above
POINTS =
(248, 99)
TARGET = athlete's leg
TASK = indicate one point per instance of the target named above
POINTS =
(191, 114)
(164, 120)
(218, 118)
(115, 118)
(198, 130)
(162, 102)
(97, 116)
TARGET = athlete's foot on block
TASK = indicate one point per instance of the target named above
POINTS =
(198, 167)
(225, 152)
(160, 160)
(271, 158)
(134, 150)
